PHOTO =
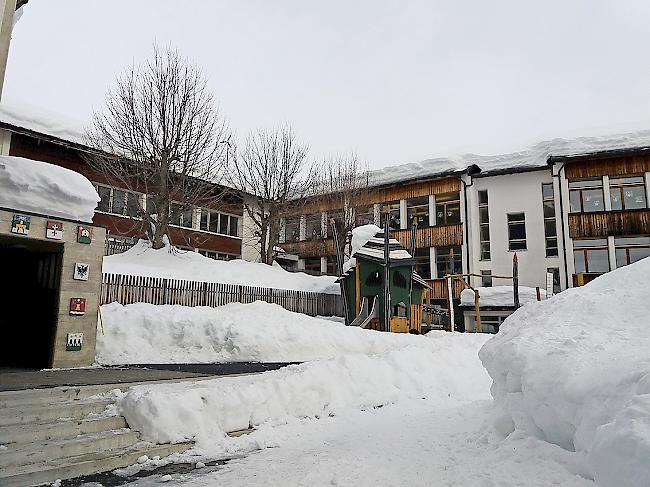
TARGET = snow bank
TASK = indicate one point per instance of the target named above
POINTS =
(575, 371)
(142, 260)
(440, 367)
(261, 332)
(46, 189)
(500, 296)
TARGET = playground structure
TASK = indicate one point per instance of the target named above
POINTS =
(382, 291)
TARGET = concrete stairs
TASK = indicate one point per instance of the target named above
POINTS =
(66, 432)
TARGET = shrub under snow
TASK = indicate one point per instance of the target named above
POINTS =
(575, 371)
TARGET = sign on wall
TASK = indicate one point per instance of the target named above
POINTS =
(20, 224)
(84, 234)
(78, 306)
(54, 230)
(74, 342)
(81, 271)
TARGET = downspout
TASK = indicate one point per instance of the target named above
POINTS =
(466, 223)
(564, 247)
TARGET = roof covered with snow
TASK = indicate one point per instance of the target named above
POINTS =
(46, 189)
(499, 296)
(42, 121)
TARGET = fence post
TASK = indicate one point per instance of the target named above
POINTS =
(164, 288)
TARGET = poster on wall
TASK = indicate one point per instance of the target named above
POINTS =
(84, 234)
(74, 342)
(20, 224)
(54, 230)
(81, 271)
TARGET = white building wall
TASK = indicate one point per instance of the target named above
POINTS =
(250, 249)
(513, 193)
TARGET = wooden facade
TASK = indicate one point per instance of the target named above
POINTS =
(615, 166)
(310, 248)
(439, 288)
(606, 223)
(431, 236)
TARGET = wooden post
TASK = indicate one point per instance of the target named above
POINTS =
(450, 295)
(358, 285)
(386, 274)
(515, 280)
(414, 227)
(538, 293)
(477, 308)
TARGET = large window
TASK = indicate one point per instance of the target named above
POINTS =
(393, 210)
(586, 196)
(484, 224)
(556, 278)
(516, 231)
(213, 221)
(423, 262)
(118, 201)
(591, 255)
(292, 229)
(364, 215)
(217, 255)
(418, 208)
(312, 265)
(449, 260)
(448, 209)
(631, 249)
(313, 226)
(550, 232)
(627, 193)
(331, 265)
(181, 215)
(486, 278)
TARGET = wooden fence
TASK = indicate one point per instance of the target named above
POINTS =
(157, 290)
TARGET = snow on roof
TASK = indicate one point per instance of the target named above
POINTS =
(44, 122)
(500, 296)
(46, 189)
(373, 249)
(535, 156)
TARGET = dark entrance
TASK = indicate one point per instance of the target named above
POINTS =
(29, 300)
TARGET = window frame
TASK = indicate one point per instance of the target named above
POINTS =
(484, 245)
(512, 223)
(584, 250)
(627, 246)
(444, 220)
(446, 258)
(125, 208)
(548, 236)
(412, 210)
(584, 186)
(210, 212)
(620, 185)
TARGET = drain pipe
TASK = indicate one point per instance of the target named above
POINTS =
(564, 247)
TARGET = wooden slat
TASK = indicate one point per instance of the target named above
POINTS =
(614, 166)
(605, 223)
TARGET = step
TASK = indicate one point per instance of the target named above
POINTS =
(44, 413)
(88, 464)
(34, 432)
(12, 399)
(26, 453)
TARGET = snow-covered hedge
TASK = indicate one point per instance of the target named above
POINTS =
(575, 371)
(263, 332)
(441, 367)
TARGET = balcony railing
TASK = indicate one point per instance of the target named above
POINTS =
(605, 223)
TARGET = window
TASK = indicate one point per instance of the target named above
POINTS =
(631, 249)
(516, 231)
(181, 215)
(331, 266)
(586, 196)
(449, 260)
(448, 209)
(550, 232)
(118, 201)
(213, 221)
(418, 208)
(365, 215)
(312, 265)
(217, 255)
(486, 278)
(627, 193)
(393, 210)
(313, 226)
(491, 323)
(292, 229)
(556, 278)
(591, 255)
(484, 224)
(423, 262)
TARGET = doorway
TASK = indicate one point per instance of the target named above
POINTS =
(31, 270)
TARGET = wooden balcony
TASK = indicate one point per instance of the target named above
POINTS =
(431, 236)
(310, 248)
(439, 288)
(605, 223)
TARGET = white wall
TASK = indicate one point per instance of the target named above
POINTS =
(250, 249)
(513, 193)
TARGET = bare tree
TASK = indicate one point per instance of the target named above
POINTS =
(272, 168)
(343, 184)
(160, 134)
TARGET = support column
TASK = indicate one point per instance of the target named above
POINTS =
(611, 252)
(607, 194)
(432, 210)
(323, 265)
(6, 26)
(403, 215)
(303, 229)
(432, 263)
(647, 189)
(376, 209)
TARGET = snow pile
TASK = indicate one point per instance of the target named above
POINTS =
(360, 237)
(440, 367)
(142, 260)
(143, 333)
(500, 296)
(39, 120)
(46, 189)
(575, 371)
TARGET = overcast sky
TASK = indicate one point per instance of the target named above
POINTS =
(395, 81)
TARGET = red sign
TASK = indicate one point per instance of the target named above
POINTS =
(77, 306)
